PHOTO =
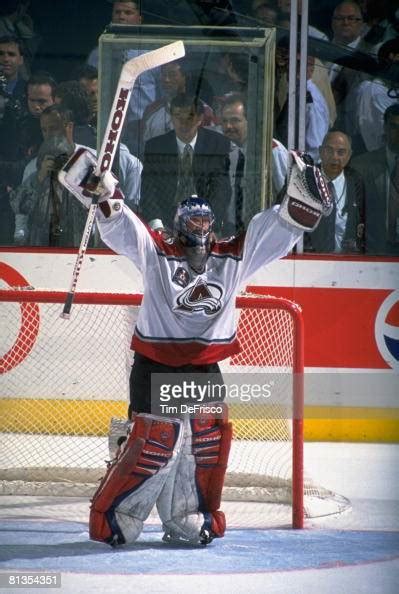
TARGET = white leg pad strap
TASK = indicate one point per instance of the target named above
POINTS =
(178, 502)
(188, 504)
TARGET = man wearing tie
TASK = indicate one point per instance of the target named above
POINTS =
(235, 126)
(380, 172)
(185, 161)
(347, 25)
(343, 229)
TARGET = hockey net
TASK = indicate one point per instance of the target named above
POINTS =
(61, 381)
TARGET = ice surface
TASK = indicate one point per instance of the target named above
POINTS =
(354, 553)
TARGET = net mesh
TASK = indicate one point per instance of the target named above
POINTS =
(61, 382)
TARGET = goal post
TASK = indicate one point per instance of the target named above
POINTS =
(61, 382)
(288, 342)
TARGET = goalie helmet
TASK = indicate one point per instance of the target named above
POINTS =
(193, 227)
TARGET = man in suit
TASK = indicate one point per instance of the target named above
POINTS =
(187, 160)
(235, 127)
(380, 172)
(234, 122)
(11, 61)
(175, 77)
(347, 73)
(12, 92)
(343, 229)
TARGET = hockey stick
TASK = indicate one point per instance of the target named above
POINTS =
(129, 73)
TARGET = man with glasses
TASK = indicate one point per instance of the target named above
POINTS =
(348, 27)
(347, 24)
(343, 230)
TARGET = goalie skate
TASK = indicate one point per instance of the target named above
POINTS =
(205, 538)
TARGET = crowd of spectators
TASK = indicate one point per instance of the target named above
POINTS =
(187, 126)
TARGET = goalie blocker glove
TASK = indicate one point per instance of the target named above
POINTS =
(307, 196)
(78, 177)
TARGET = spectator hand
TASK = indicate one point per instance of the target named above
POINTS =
(46, 168)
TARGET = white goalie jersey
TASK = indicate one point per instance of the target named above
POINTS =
(185, 317)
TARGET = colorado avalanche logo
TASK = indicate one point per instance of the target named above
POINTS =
(387, 330)
(201, 297)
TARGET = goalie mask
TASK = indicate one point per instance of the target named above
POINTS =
(193, 227)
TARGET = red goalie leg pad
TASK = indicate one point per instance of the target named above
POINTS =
(211, 441)
(99, 528)
(148, 448)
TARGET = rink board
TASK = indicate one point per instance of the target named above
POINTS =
(320, 424)
(350, 309)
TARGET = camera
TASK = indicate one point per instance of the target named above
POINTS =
(60, 160)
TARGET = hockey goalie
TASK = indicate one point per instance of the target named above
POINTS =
(186, 325)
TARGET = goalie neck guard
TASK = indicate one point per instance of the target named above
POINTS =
(193, 227)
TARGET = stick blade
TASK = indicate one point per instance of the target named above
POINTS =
(163, 55)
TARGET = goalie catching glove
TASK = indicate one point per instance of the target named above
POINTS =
(78, 177)
(307, 196)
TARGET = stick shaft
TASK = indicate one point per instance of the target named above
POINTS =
(129, 73)
(66, 312)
